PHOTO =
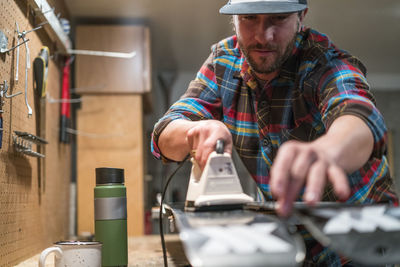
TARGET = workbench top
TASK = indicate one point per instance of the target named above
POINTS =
(142, 251)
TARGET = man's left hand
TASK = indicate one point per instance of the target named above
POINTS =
(298, 164)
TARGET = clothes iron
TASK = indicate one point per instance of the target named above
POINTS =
(217, 187)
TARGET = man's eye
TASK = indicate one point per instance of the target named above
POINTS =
(280, 18)
(249, 17)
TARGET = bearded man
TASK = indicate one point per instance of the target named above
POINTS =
(298, 110)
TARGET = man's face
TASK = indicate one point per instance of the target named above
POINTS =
(267, 40)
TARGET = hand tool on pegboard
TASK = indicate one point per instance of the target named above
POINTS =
(23, 142)
(40, 72)
(3, 95)
(65, 103)
(22, 35)
(1, 120)
(3, 91)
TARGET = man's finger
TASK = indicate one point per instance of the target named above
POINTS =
(315, 182)
(302, 163)
(191, 138)
(205, 153)
(340, 182)
(194, 137)
(280, 170)
(292, 191)
(228, 146)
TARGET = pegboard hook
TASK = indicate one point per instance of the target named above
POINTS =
(4, 89)
(4, 43)
(24, 33)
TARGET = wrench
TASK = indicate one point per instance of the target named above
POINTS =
(27, 62)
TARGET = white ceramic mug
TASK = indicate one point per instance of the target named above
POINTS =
(73, 254)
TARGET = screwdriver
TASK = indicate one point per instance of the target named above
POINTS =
(40, 70)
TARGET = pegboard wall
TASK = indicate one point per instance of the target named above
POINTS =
(33, 215)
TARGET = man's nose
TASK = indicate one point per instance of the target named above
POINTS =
(265, 33)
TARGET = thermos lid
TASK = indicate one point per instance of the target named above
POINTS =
(109, 176)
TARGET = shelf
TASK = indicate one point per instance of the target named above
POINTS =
(53, 28)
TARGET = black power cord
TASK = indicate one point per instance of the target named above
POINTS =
(161, 209)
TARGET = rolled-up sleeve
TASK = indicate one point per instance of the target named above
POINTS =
(343, 89)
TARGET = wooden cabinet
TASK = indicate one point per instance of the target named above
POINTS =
(110, 121)
(99, 74)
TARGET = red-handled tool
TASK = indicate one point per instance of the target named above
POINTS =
(65, 105)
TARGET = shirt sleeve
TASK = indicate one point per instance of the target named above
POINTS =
(343, 89)
(201, 101)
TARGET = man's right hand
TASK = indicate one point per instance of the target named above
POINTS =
(198, 138)
(203, 137)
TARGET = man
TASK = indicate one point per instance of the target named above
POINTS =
(296, 108)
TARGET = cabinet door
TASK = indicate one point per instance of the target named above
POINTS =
(110, 134)
(110, 121)
(99, 74)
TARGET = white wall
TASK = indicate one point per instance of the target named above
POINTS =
(369, 29)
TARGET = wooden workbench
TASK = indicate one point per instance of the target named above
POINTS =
(142, 251)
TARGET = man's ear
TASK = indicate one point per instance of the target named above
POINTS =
(303, 14)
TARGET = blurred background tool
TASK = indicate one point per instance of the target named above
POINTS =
(65, 104)
(1, 122)
(1, 113)
(4, 94)
(40, 72)
(23, 142)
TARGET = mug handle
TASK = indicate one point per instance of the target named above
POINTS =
(46, 252)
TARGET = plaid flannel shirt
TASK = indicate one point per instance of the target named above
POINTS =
(317, 84)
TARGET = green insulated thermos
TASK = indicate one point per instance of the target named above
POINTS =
(110, 216)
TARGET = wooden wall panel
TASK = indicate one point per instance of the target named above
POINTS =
(110, 135)
(30, 219)
(97, 74)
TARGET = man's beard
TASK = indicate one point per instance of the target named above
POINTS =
(265, 67)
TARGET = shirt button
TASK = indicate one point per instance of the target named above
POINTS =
(262, 104)
(265, 142)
